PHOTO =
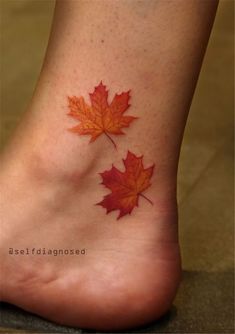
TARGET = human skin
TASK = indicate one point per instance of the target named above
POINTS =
(50, 176)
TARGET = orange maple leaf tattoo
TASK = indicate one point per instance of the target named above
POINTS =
(100, 117)
(126, 187)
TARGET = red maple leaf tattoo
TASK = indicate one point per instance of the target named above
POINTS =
(100, 117)
(126, 187)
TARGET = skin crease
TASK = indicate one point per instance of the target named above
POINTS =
(49, 177)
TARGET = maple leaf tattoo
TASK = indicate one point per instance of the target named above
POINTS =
(126, 187)
(100, 117)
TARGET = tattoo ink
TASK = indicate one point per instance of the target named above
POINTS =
(100, 117)
(126, 187)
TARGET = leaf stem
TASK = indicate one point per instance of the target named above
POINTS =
(147, 199)
(112, 141)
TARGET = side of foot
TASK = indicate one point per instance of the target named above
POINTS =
(128, 276)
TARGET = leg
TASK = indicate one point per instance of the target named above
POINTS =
(50, 176)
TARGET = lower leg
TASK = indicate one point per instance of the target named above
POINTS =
(51, 175)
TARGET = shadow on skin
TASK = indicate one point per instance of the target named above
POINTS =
(199, 302)
(14, 317)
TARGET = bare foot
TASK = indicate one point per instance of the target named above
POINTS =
(130, 271)
(51, 178)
